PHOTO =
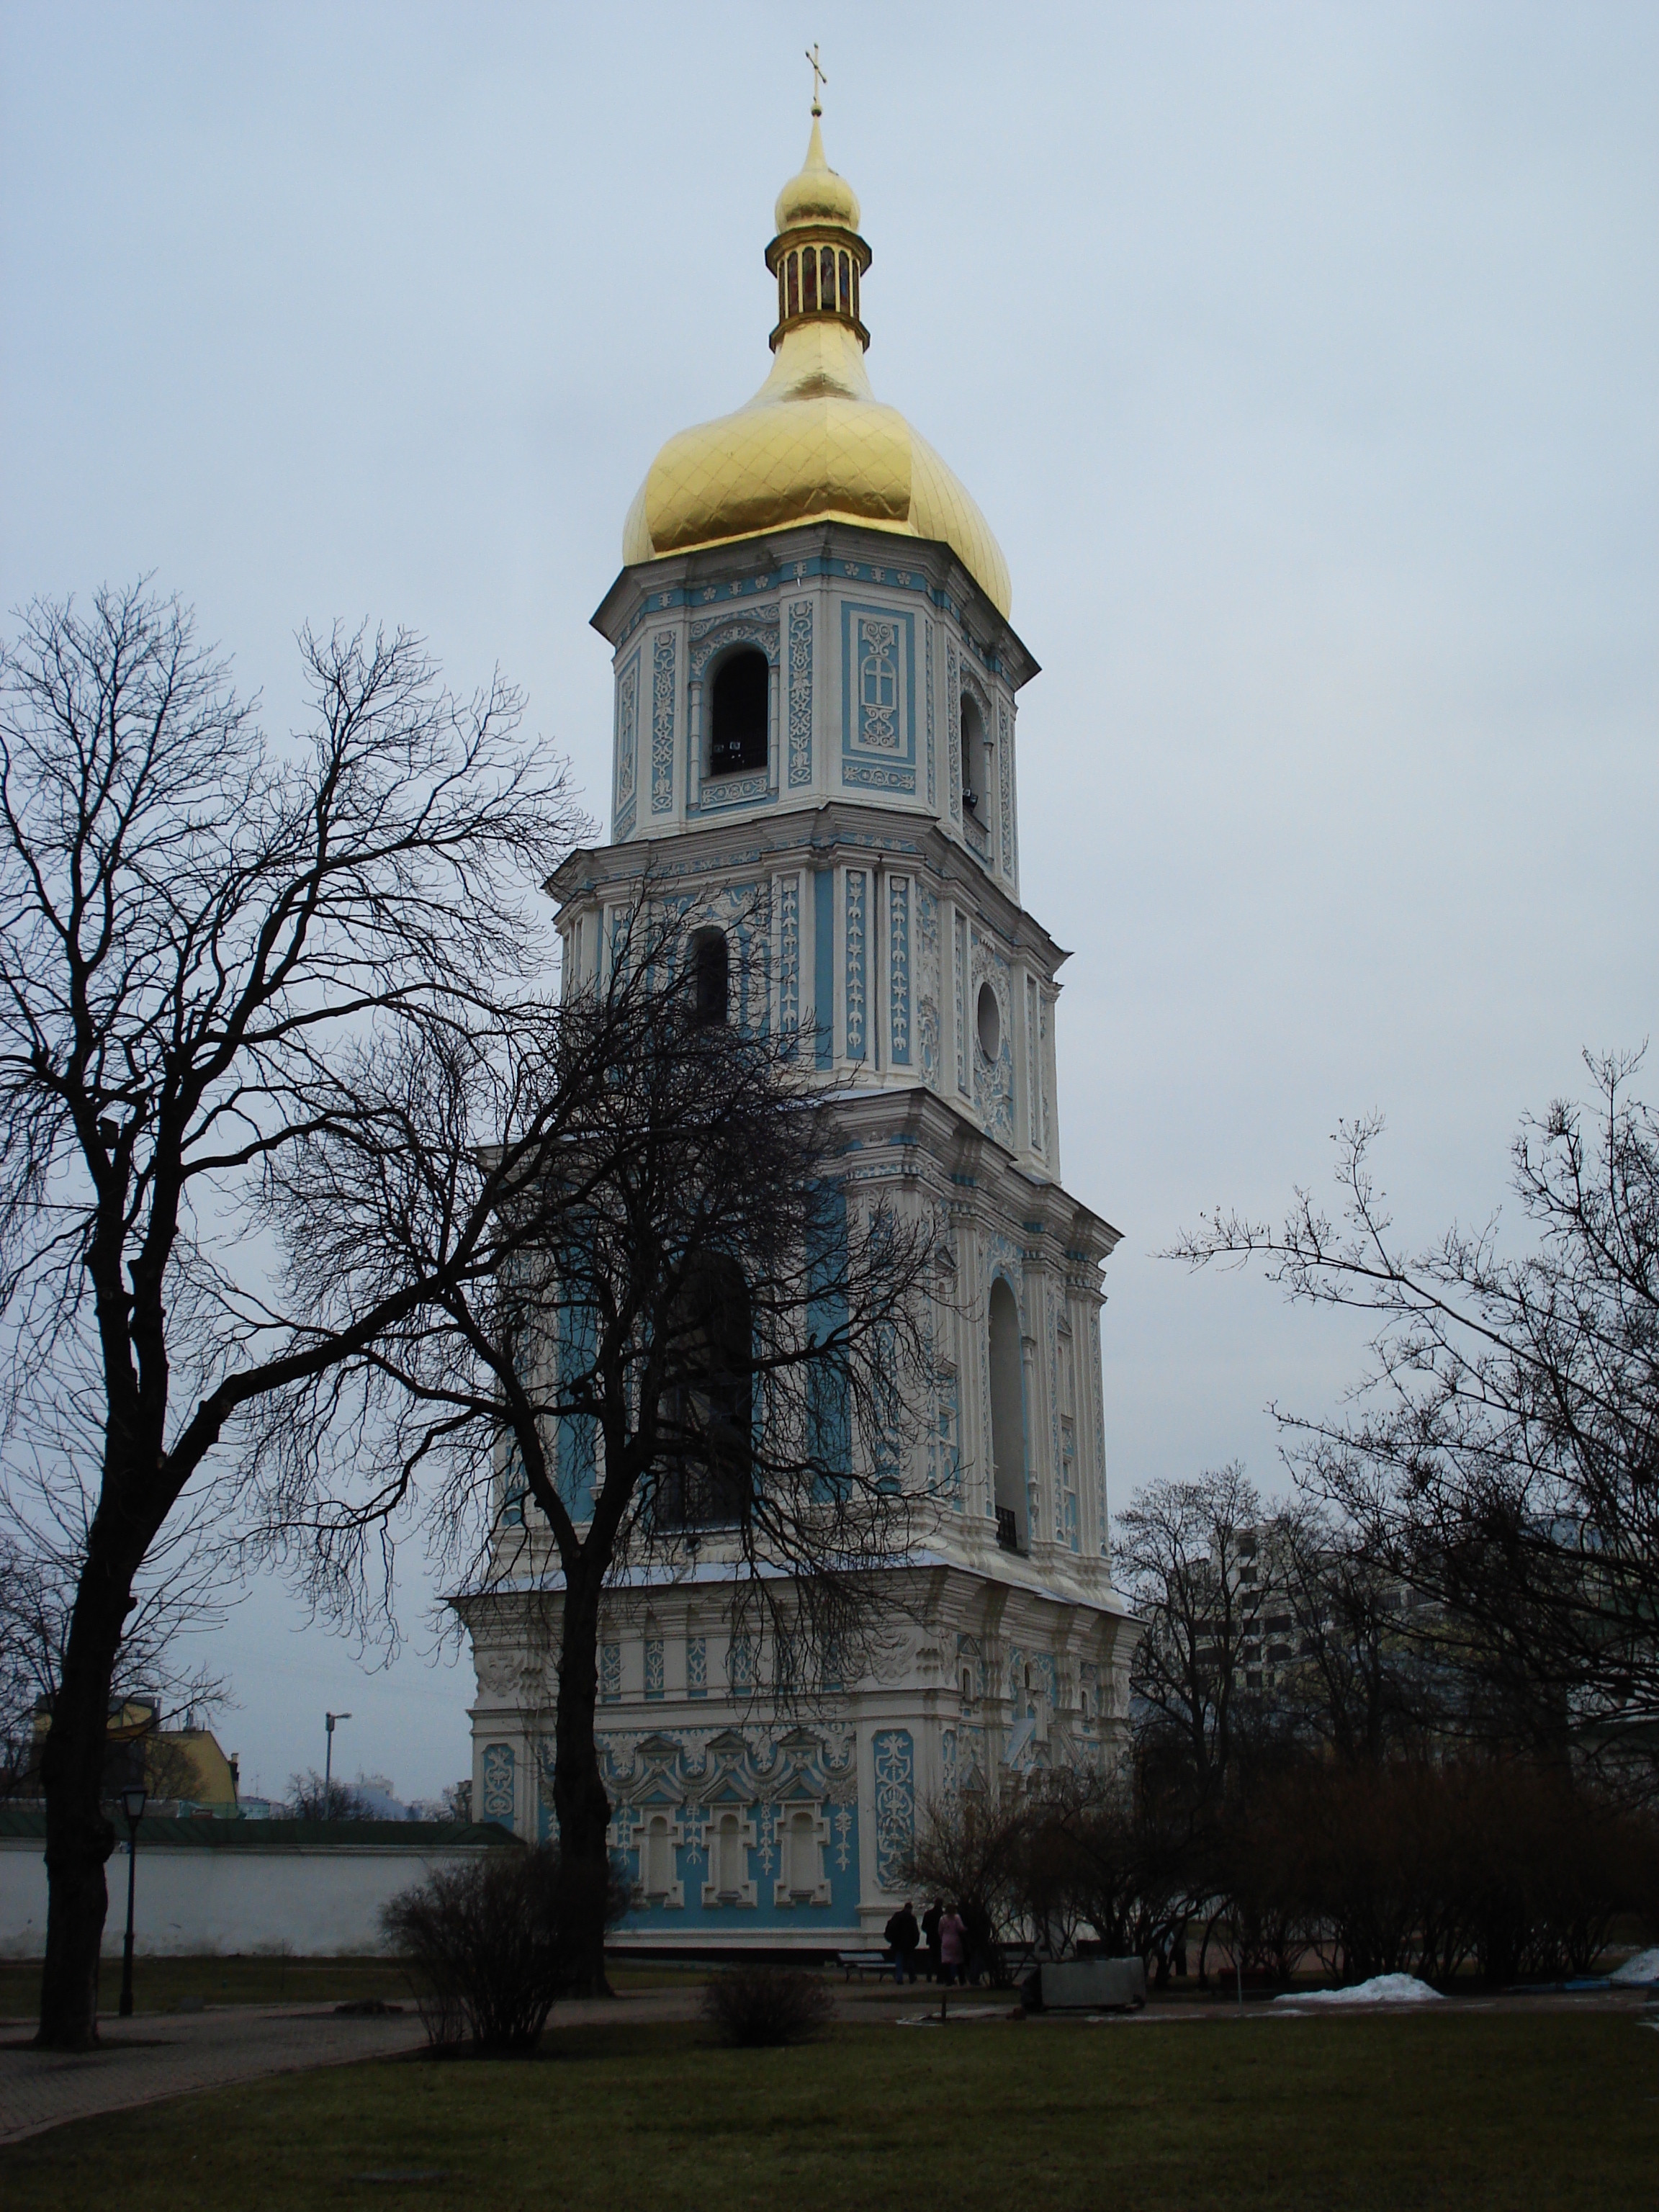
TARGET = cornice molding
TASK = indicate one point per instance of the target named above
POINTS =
(812, 554)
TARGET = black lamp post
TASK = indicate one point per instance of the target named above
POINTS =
(132, 1804)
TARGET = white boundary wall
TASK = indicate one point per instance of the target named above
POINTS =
(314, 1901)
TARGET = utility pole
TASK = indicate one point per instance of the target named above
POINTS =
(329, 1720)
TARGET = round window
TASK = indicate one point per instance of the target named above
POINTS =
(990, 1022)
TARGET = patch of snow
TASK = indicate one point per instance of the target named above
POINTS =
(1643, 1967)
(957, 2012)
(1382, 1988)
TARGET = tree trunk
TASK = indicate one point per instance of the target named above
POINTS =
(579, 1793)
(79, 1839)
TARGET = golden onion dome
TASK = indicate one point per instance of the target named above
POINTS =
(817, 194)
(814, 444)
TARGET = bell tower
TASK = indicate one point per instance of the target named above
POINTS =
(815, 736)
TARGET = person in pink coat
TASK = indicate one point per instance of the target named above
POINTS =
(952, 1946)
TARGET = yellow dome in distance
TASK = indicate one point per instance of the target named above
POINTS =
(814, 444)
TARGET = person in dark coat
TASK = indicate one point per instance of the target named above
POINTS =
(981, 1963)
(904, 1940)
(930, 1921)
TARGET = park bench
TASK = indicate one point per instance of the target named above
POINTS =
(864, 1962)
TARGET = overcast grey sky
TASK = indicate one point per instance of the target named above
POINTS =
(1304, 359)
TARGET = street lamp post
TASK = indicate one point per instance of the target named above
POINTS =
(132, 1804)
(329, 1720)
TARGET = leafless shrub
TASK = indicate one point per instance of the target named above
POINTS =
(765, 2007)
(488, 1944)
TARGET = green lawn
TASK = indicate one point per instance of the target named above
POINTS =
(163, 1985)
(160, 1984)
(1470, 2109)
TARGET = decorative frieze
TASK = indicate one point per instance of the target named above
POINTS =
(800, 694)
(928, 985)
(898, 966)
(896, 1805)
(953, 730)
(663, 646)
(1005, 789)
(856, 978)
(928, 681)
(789, 960)
(878, 721)
(498, 1783)
(627, 747)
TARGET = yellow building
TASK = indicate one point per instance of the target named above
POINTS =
(183, 1767)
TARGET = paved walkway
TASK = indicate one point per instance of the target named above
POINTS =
(165, 2054)
(159, 2054)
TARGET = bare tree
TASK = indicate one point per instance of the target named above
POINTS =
(971, 1851)
(1099, 1848)
(49, 1485)
(201, 941)
(1503, 1454)
(701, 1345)
(1369, 1676)
(1203, 1566)
(311, 1796)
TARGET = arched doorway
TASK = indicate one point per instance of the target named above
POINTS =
(711, 963)
(708, 1410)
(1007, 1419)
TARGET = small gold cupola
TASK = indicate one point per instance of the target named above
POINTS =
(817, 256)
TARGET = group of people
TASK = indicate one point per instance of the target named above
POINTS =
(945, 1936)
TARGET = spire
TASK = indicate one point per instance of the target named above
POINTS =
(817, 256)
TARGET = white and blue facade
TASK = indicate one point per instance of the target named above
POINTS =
(868, 873)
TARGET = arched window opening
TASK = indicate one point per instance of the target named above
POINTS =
(804, 1857)
(988, 1022)
(658, 1858)
(794, 283)
(973, 752)
(846, 284)
(711, 977)
(728, 1858)
(808, 281)
(708, 1411)
(737, 711)
(1007, 1419)
(827, 277)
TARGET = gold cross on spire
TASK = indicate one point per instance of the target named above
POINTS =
(819, 79)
